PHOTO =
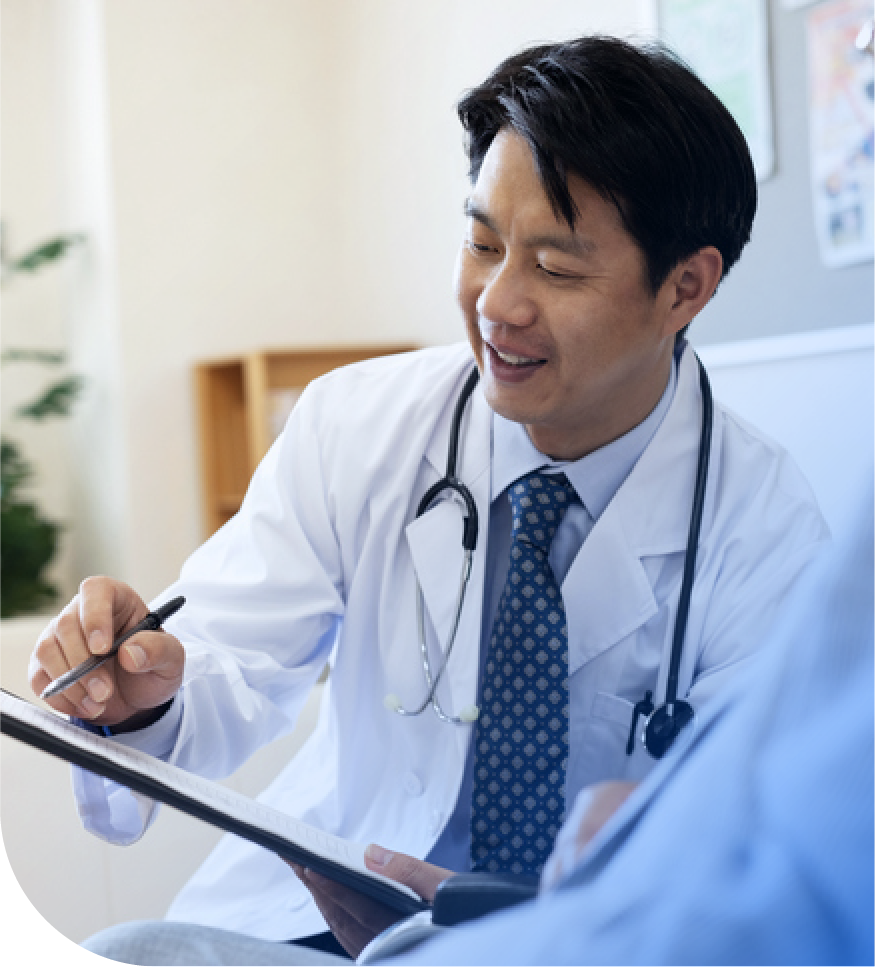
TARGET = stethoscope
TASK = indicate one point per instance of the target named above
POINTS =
(662, 724)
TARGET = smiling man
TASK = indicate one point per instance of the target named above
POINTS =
(610, 194)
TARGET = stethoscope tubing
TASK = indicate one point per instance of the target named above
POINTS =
(470, 532)
(696, 513)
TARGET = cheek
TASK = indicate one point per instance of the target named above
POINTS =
(465, 286)
(459, 275)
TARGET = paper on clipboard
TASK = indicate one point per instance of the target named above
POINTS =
(337, 858)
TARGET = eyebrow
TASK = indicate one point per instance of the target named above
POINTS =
(571, 244)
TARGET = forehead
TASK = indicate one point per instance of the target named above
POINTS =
(509, 192)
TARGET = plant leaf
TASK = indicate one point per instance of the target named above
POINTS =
(15, 470)
(28, 542)
(48, 356)
(49, 251)
(57, 400)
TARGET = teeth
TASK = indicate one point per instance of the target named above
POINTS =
(515, 360)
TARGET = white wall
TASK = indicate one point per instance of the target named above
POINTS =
(32, 211)
(813, 393)
(217, 205)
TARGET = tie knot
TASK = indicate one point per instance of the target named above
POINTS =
(539, 502)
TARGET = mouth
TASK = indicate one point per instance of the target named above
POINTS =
(512, 367)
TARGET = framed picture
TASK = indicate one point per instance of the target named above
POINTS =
(726, 42)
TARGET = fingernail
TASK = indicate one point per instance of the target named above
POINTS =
(91, 708)
(97, 642)
(378, 856)
(98, 690)
(137, 655)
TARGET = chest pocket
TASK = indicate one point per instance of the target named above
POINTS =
(613, 708)
(598, 745)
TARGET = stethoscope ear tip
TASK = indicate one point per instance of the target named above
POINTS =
(392, 703)
(469, 714)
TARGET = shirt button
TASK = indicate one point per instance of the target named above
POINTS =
(412, 784)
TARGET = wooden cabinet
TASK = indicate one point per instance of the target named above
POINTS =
(243, 403)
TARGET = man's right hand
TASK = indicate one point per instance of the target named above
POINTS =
(146, 672)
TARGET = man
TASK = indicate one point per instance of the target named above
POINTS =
(611, 192)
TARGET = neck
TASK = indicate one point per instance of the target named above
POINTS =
(598, 429)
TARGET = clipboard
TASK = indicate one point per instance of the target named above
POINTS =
(208, 801)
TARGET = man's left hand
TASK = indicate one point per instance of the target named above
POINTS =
(356, 919)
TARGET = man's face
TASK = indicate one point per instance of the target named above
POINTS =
(568, 337)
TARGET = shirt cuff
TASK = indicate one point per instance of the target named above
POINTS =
(157, 739)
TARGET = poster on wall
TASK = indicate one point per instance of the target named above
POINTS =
(840, 83)
(726, 42)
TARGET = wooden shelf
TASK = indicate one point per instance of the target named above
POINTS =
(242, 403)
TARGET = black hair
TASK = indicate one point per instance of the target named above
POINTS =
(636, 124)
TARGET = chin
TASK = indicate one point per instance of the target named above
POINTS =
(498, 401)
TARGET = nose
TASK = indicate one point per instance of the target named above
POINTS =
(504, 298)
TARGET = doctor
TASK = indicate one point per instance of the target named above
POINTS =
(611, 192)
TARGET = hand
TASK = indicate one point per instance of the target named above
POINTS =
(356, 919)
(146, 672)
(593, 807)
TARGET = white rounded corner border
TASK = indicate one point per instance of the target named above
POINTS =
(28, 938)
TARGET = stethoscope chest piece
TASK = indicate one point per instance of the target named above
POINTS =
(663, 726)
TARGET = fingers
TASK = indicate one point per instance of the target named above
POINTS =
(353, 918)
(352, 935)
(149, 669)
(60, 647)
(146, 672)
(106, 609)
(151, 651)
(424, 878)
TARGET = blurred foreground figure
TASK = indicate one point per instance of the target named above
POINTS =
(759, 850)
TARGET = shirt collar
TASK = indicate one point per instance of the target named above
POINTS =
(595, 477)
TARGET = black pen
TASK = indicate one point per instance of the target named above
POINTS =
(152, 622)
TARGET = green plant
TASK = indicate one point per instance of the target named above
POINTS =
(28, 540)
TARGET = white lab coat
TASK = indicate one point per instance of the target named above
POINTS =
(320, 564)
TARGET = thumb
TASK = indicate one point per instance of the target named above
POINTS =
(423, 878)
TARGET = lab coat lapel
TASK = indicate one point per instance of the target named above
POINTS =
(435, 542)
(606, 592)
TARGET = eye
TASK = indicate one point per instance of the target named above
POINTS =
(557, 275)
(478, 248)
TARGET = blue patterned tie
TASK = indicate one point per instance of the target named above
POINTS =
(521, 742)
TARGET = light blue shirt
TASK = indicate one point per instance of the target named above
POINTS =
(595, 478)
(752, 842)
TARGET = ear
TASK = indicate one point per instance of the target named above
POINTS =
(690, 285)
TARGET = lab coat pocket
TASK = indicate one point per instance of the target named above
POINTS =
(618, 712)
(613, 708)
(598, 733)
(610, 721)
